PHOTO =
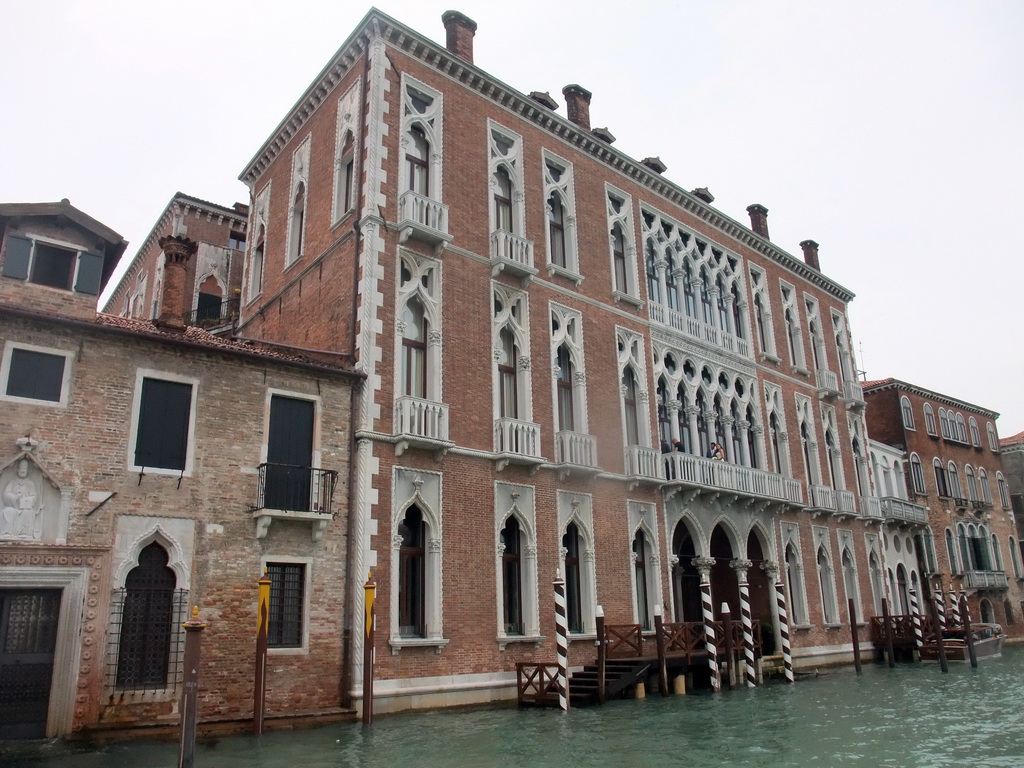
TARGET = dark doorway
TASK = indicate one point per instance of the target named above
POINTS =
(289, 454)
(687, 578)
(724, 586)
(28, 639)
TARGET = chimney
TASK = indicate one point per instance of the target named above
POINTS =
(577, 105)
(811, 254)
(460, 29)
(759, 220)
(177, 251)
(704, 194)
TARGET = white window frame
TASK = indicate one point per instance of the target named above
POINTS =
(565, 188)
(431, 122)
(518, 500)
(570, 335)
(256, 270)
(512, 162)
(295, 242)
(624, 219)
(798, 610)
(929, 419)
(307, 589)
(993, 439)
(420, 266)
(759, 289)
(794, 341)
(347, 125)
(5, 372)
(578, 508)
(150, 373)
(907, 413)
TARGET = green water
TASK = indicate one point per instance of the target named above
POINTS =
(910, 717)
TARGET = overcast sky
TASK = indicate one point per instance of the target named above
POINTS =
(890, 132)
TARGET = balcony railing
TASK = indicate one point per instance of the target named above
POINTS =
(977, 504)
(961, 502)
(512, 254)
(846, 503)
(575, 448)
(290, 488)
(828, 383)
(985, 580)
(695, 471)
(823, 497)
(422, 218)
(870, 508)
(643, 463)
(208, 317)
(853, 393)
(895, 509)
(421, 424)
(696, 329)
(517, 438)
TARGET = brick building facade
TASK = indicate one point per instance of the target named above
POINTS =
(953, 471)
(539, 317)
(139, 475)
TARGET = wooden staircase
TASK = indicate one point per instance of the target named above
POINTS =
(620, 674)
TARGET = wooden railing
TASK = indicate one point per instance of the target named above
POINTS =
(537, 683)
(623, 640)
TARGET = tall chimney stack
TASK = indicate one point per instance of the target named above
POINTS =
(460, 30)
(811, 254)
(759, 220)
(577, 105)
(177, 252)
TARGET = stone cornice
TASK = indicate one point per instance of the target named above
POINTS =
(410, 42)
(928, 394)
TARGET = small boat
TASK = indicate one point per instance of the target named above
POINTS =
(988, 643)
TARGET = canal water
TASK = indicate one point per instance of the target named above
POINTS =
(909, 717)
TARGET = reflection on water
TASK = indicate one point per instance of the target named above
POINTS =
(910, 717)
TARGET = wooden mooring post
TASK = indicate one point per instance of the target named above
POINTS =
(601, 654)
(190, 692)
(887, 624)
(730, 654)
(370, 594)
(853, 634)
(965, 613)
(259, 688)
(659, 636)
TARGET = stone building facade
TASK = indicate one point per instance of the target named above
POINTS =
(139, 475)
(953, 470)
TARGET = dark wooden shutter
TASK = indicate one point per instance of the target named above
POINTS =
(90, 273)
(36, 375)
(162, 438)
(289, 454)
(16, 258)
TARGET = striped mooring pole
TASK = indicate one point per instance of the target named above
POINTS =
(787, 651)
(939, 600)
(966, 608)
(954, 609)
(915, 618)
(703, 565)
(741, 566)
(561, 641)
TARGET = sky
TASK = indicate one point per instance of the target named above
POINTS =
(888, 131)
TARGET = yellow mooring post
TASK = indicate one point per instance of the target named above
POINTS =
(370, 593)
(259, 689)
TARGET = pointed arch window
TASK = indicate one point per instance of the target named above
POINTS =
(345, 182)
(412, 574)
(629, 402)
(640, 555)
(795, 581)
(573, 588)
(689, 297)
(256, 263)
(417, 161)
(556, 231)
(508, 385)
(147, 635)
(503, 190)
(774, 428)
(414, 349)
(564, 384)
(828, 590)
(512, 576)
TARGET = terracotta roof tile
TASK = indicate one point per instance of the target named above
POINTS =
(1017, 439)
(876, 382)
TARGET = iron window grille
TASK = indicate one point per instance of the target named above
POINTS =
(146, 641)
(287, 592)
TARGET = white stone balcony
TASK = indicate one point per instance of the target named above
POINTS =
(423, 219)
(512, 254)
(871, 508)
(517, 442)
(643, 465)
(684, 470)
(695, 329)
(985, 580)
(575, 451)
(828, 384)
(823, 498)
(903, 511)
(853, 394)
(422, 424)
(846, 504)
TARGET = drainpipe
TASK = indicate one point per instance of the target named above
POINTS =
(356, 392)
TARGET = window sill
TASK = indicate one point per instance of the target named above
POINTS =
(625, 298)
(293, 262)
(802, 627)
(509, 639)
(146, 471)
(554, 269)
(834, 625)
(343, 217)
(800, 371)
(288, 651)
(398, 643)
(592, 637)
(768, 358)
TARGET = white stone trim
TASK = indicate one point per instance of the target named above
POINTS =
(150, 373)
(5, 371)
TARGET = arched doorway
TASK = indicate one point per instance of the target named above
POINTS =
(901, 589)
(685, 577)
(762, 591)
(724, 587)
(988, 616)
(208, 307)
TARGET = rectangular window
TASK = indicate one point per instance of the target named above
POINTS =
(236, 240)
(287, 598)
(35, 374)
(53, 265)
(165, 409)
